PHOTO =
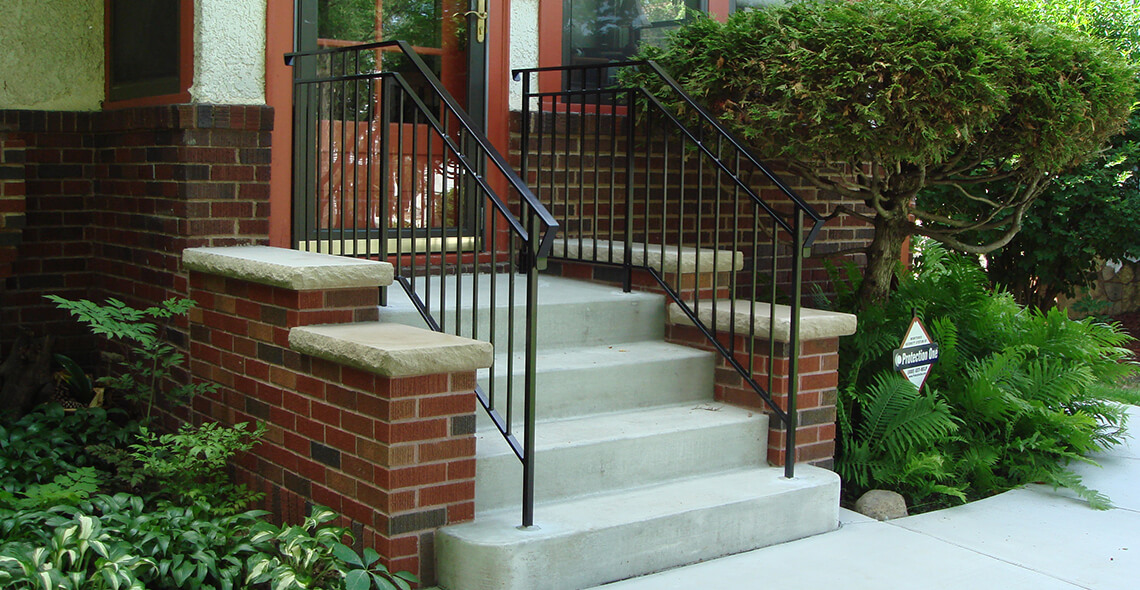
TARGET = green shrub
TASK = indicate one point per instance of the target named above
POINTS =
(117, 542)
(50, 442)
(191, 464)
(905, 95)
(146, 373)
(1007, 403)
(313, 556)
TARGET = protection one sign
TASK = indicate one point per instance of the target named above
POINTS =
(917, 355)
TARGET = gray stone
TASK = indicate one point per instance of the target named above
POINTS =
(291, 269)
(815, 324)
(881, 505)
(392, 350)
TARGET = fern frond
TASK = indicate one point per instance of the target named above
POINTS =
(1067, 479)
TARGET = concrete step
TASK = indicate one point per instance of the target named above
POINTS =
(596, 539)
(613, 451)
(574, 313)
(595, 379)
(667, 258)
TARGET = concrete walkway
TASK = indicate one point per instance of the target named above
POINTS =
(1033, 538)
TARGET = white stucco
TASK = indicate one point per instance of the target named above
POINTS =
(524, 43)
(51, 54)
(229, 52)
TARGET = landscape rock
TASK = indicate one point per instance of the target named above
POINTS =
(881, 505)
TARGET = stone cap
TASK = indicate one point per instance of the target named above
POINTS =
(651, 256)
(291, 269)
(815, 324)
(392, 350)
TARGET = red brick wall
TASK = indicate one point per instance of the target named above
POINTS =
(576, 165)
(113, 197)
(815, 397)
(12, 202)
(394, 456)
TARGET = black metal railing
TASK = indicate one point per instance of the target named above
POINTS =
(387, 165)
(670, 191)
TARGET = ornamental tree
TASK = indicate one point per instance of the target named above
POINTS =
(1088, 214)
(964, 97)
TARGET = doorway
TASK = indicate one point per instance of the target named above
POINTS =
(367, 174)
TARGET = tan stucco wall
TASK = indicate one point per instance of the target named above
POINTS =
(51, 54)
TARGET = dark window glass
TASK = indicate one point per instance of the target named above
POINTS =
(599, 31)
(144, 49)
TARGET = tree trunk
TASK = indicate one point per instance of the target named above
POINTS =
(882, 259)
(25, 376)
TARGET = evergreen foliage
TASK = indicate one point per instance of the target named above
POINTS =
(910, 94)
(1090, 214)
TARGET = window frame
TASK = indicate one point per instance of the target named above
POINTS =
(185, 62)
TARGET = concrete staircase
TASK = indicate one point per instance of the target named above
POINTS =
(638, 469)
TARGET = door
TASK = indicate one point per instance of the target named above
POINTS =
(347, 157)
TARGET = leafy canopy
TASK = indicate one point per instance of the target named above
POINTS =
(909, 95)
(1089, 214)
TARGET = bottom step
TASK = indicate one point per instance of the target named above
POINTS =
(603, 538)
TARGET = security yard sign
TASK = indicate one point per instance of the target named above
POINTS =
(917, 354)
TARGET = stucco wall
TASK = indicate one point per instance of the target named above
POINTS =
(51, 54)
(229, 52)
(524, 43)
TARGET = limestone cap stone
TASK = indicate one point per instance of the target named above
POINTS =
(815, 324)
(392, 350)
(290, 269)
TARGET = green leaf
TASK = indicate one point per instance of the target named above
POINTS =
(357, 580)
(346, 554)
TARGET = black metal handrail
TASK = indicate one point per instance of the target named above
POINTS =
(648, 185)
(406, 179)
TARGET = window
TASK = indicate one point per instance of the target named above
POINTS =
(148, 50)
(600, 31)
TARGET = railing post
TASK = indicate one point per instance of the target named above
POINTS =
(794, 344)
(627, 255)
(382, 119)
(532, 264)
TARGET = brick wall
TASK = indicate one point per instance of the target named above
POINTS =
(12, 201)
(113, 197)
(393, 456)
(815, 397)
(578, 170)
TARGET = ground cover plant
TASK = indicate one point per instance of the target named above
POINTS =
(879, 101)
(87, 500)
(90, 498)
(1012, 399)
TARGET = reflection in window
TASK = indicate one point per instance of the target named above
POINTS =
(600, 31)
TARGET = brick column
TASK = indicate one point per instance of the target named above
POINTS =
(357, 422)
(12, 202)
(818, 354)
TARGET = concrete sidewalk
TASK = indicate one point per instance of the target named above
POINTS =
(1032, 538)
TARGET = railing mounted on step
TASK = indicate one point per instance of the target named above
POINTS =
(388, 165)
(637, 186)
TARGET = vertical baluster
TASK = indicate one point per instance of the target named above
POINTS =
(630, 183)
(774, 252)
(794, 344)
(613, 155)
(342, 110)
(384, 114)
(531, 359)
